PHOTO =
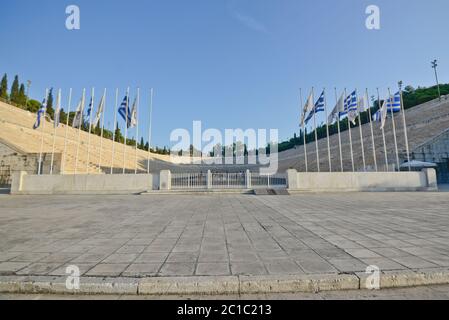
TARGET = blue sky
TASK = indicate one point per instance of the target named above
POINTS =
(228, 63)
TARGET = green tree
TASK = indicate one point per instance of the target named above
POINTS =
(22, 99)
(118, 134)
(33, 105)
(50, 110)
(15, 90)
(4, 87)
(62, 117)
(142, 144)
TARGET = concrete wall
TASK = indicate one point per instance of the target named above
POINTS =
(362, 181)
(80, 184)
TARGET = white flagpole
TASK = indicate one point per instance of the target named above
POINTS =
(149, 131)
(394, 128)
(383, 134)
(304, 132)
(79, 130)
(300, 127)
(316, 133)
(90, 129)
(113, 131)
(102, 131)
(327, 130)
(39, 169)
(58, 107)
(137, 125)
(361, 133)
(350, 136)
(405, 131)
(66, 133)
(372, 130)
(126, 131)
(339, 132)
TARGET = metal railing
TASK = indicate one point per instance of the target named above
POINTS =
(219, 180)
(189, 181)
(228, 180)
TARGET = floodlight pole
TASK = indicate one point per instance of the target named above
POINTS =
(434, 66)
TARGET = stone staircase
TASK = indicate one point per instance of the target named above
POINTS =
(423, 123)
(16, 127)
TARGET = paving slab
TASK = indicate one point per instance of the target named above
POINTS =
(234, 235)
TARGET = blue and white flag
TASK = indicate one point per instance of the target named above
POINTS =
(319, 107)
(124, 111)
(394, 103)
(91, 106)
(391, 105)
(377, 117)
(351, 108)
(40, 113)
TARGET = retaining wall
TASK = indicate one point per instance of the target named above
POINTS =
(362, 181)
(22, 183)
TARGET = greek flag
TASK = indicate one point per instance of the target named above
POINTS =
(40, 113)
(319, 107)
(377, 117)
(394, 103)
(124, 111)
(390, 105)
(351, 107)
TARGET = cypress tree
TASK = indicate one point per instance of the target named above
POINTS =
(15, 90)
(118, 134)
(4, 87)
(22, 96)
(50, 110)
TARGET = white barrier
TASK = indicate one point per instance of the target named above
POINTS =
(362, 181)
(22, 183)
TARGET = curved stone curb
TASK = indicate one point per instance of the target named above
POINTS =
(292, 284)
(226, 285)
(401, 279)
(190, 286)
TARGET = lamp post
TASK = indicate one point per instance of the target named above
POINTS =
(434, 66)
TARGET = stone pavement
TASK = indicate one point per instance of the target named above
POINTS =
(219, 235)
